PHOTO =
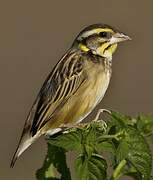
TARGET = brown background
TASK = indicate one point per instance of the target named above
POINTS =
(34, 35)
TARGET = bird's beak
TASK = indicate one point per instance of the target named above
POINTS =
(119, 37)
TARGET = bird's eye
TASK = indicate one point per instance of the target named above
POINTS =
(104, 34)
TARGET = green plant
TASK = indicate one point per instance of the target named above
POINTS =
(125, 140)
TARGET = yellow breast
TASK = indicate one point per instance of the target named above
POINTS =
(99, 79)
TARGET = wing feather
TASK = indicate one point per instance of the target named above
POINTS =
(59, 87)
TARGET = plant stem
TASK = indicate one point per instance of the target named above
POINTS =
(114, 136)
(117, 172)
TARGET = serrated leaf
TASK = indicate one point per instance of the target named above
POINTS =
(106, 146)
(78, 139)
(135, 149)
(89, 138)
(120, 119)
(68, 141)
(55, 160)
(93, 168)
(122, 150)
(145, 123)
(134, 175)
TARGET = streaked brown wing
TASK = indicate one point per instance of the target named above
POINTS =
(62, 83)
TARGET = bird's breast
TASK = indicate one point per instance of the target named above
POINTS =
(99, 79)
(91, 93)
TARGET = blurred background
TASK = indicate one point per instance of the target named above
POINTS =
(33, 37)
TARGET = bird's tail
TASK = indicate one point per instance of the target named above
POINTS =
(23, 145)
(26, 138)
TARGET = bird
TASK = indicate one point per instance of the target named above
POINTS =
(74, 87)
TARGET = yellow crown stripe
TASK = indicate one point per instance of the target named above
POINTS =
(95, 31)
(98, 30)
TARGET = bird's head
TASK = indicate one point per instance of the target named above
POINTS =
(100, 39)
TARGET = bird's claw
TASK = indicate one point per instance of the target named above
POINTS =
(103, 123)
(101, 111)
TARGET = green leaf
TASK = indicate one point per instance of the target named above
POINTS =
(134, 148)
(93, 168)
(106, 146)
(145, 124)
(134, 175)
(89, 136)
(120, 119)
(71, 140)
(122, 150)
(55, 161)
(79, 139)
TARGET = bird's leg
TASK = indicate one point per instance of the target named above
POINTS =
(104, 125)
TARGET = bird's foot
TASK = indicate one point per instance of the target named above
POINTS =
(97, 118)
(101, 111)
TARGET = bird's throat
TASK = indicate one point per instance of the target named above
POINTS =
(106, 50)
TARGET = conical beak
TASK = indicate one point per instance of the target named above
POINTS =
(119, 37)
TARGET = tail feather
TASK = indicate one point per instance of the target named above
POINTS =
(23, 145)
(26, 138)
(13, 160)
